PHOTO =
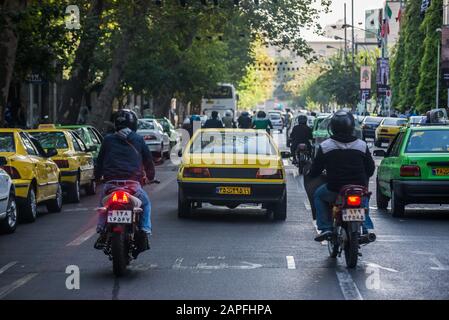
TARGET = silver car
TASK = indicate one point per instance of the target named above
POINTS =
(155, 138)
(276, 121)
(8, 208)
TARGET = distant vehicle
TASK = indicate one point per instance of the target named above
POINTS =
(222, 99)
(417, 120)
(91, 137)
(387, 130)
(170, 130)
(369, 126)
(8, 208)
(276, 120)
(155, 138)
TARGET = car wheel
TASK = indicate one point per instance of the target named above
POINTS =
(74, 192)
(9, 224)
(28, 207)
(91, 189)
(55, 205)
(184, 207)
(397, 206)
(280, 209)
(381, 199)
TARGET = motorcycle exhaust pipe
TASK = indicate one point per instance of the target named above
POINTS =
(372, 237)
(367, 238)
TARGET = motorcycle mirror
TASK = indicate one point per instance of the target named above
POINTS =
(285, 154)
(379, 153)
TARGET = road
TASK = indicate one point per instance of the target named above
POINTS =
(228, 254)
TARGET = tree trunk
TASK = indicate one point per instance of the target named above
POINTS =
(102, 110)
(74, 88)
(8, 47)
(162, 105)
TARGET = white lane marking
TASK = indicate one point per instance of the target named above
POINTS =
(347, 285)
(204, 266)
(375, 265)
(79, 210)
(307, 205)
(440, 266)
(291, 262)
(4, 291)
(6, 267)
(86, 235)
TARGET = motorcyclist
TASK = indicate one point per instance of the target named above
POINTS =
(347, 160)
(301, 133)
(244, 120)
(213, 122)
(124, 156)
(228, 120)
(261, 122)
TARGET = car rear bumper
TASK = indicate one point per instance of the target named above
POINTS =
(155, 146)
(206, 192)
(385, 137)
(414, 191)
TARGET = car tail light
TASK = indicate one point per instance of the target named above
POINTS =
(269, 174)
(13, 173)
(354, 201)
(196, 173)
(62, 164)
(410, 171)
(149, 137)
(120, 197)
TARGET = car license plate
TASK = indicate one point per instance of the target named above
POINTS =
(234, 190)
(120, 216)
(440, 171)
(353, 215)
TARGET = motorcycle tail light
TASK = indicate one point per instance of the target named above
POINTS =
(62, 163)
(269, 174)
(410, 171)
(196, 173)
(13, 173)
(354, 201)
(120, 197)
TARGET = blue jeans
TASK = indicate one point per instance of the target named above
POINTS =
(323, 198)
(138, 192)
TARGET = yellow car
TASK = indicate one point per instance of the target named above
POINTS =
(35, 176)
(388, 129)
(230, 167)
(73, 159)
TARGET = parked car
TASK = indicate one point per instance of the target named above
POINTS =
(36, 178)
(155, 138)
(73, 159)
(8, 208)
(91, 137)
(415, 169)
(388, 129)
(369, 126)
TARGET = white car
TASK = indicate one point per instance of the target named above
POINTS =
(276, 121)
(8, 208)
(155, 138)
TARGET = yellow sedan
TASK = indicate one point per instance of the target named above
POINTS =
(35, 176)
(230, 167)
(388, 129)
(73, 159)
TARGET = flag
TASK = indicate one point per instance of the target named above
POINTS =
(388, 12)
(385, 30)
(401, 8)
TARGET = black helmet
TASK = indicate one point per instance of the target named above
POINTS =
(302, 119)
(125, 118)
(342, 123)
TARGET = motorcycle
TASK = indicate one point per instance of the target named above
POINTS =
(122, 213)
(348, 214)
(303, 158)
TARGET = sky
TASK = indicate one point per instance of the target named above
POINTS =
(337, 13)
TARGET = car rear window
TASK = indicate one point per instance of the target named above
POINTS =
(7, 142)
(144, 125)
(394, 122)
(275, 116)
(375, 120)
(232, 143)
(428, 141)
(50, 140)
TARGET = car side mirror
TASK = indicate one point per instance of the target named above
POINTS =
(92, 149)
(379, 153)
(51, 152)
(3, 161)
(285, 154)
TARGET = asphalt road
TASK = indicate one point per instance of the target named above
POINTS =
(228, 254)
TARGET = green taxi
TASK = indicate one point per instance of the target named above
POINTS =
(170, 130)
(91, 137)
(415, 169)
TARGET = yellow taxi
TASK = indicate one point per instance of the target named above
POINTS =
(388, 129)
(73, 159)
(230, 167)
(35, 176)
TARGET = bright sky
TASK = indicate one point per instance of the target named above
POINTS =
(337, 13)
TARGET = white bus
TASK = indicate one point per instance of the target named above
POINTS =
(222, 99)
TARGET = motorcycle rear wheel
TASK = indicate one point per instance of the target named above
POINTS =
(119, 254)
(352, 250)
(333, 247)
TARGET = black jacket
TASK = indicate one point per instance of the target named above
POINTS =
(347, 160)
(301, 134)
(213, 124)
(124, 158)
(244, 122)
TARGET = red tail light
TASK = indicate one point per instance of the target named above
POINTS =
(62, 164)
(120, 197)
(269, 174)
(196, 173)
(149, 137)
(410, 171)
(354, 201)
(13, 173)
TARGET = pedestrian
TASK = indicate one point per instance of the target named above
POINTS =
(213, 122)
(228, 120)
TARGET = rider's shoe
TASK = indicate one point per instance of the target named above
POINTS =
(325, 235)
(100, 244)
